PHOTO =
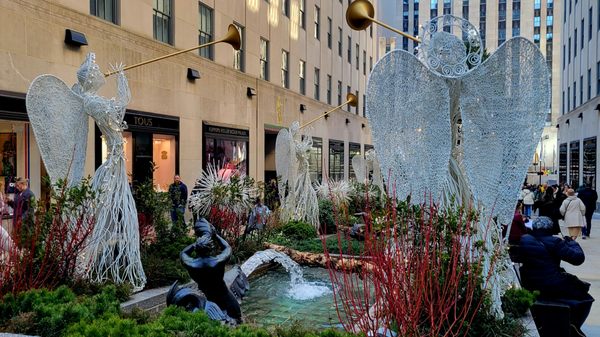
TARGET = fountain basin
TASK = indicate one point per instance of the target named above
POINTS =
(273, 301)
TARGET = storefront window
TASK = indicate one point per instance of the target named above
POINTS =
(354, 149)
(562, 164)
(589, 162)
(336, 160)
(316, 160)
(226, 148)
(163, 155)
(574, 164)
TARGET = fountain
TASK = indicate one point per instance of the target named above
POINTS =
(299, 288)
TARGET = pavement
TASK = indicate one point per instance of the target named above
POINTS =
(590, 271)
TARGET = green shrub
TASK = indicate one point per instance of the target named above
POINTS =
(81, 287)
(298, 230)
(516, 302)
(49, 313)
(348, 245)
(326, 216)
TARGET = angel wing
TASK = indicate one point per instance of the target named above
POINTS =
(359, 165)
(407, 106)
(504, 102)
(60, 127)
(285, 161)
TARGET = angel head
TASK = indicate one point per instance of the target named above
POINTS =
(89, 76)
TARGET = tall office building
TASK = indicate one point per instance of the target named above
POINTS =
(579, 121)
(498, 20)
(298, 59)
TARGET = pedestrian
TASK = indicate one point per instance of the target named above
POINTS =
(258, 217)
(540, 254)
(178, 193)
(22, 205)
(559, 197)
(573, 210)
(589, 197)
(545, 204)
(528, 201)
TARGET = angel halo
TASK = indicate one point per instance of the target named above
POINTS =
(112, 251)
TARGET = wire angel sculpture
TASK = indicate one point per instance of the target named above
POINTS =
(447, 126)
(367, 169)
(59, 117)
(296, 194)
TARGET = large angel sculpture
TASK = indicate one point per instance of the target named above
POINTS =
(448, 127)
(113, 250)
(297, 196)
(445, 124)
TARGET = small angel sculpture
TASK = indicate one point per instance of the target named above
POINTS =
(297, 196)
(113, 250)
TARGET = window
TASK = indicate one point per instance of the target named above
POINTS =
(339, 93)
(302, 76)
(364, 62)
(574, 164)
(285, 7)
(264, 59)
(575, 44)
(582, 32)
(315, 160)
(563, 57)
(301, 14)
(568, 99)
(357, 54)
(357, 96)
(598, 78)
(574, 94)
(349, 49)
(536, 21)
(536, 4)
(516, 28)
(340, 41)
(569, 50)
(364, 103)
(370, 63)
(329, 89)
(562, 163)
(105, 9)
(589, 162)
(580, 89)
(465, 9)
(285, 69)
(549, 20)
(205, 31)
(434, 9)
(162, 21)
(238, 55)
(336, 160)
(317, 23)
(329, 23)
(563, 102)
(589, 83)
(317, 84)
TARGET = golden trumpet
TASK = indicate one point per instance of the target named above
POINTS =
(232, 37)
(351, 100)
(361, 14)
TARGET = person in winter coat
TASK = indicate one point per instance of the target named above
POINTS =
(528, 201)
(589, 198)
(546, 203)
(541, 253)
(573, 209)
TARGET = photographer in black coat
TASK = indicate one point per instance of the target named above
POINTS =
(541, 254)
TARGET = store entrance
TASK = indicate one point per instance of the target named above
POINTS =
(142, 157)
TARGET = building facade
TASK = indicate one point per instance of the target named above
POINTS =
(579, 122)
(498, 20)
(298, 59)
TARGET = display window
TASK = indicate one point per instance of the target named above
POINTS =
(226, 148)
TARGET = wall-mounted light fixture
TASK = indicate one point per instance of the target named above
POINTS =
(568, 122)
(347, 121)
(302, 108)
(580, 116)
(326, 117)
(362, 125)
(250, 92)
(597, 108)
(558, 126)
(193, 74)
(74, 38)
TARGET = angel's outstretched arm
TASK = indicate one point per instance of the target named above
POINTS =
(123, 93)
